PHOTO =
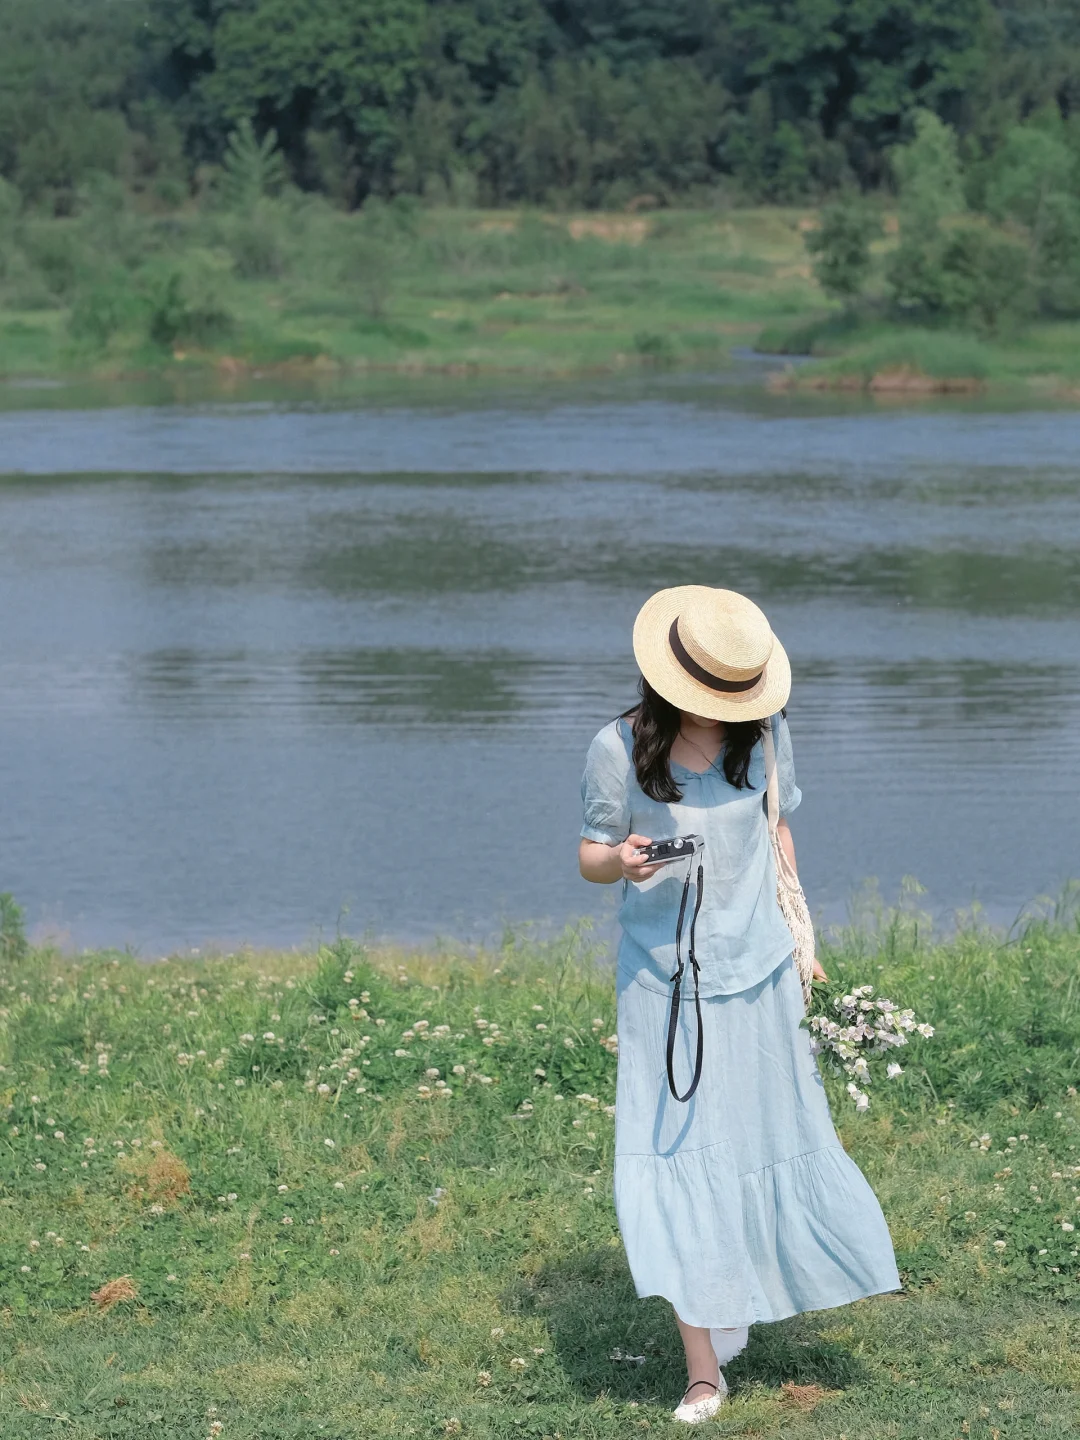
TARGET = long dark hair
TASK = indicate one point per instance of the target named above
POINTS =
(654, 724)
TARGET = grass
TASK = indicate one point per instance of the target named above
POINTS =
(412, 290)
(298, 288)
(855, 350)
(222, 1206)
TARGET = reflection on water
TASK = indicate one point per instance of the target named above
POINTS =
(234, 703)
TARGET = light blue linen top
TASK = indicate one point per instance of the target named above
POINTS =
(741, 934)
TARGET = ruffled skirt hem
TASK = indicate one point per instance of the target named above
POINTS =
(805, 1233)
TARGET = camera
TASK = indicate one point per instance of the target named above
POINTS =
(663, 852)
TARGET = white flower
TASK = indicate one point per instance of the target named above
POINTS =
(58, 1134)
(339, 1184)
(323, 1089)
(268, 1035)
(999, 1244)
(568, 1042)
(541, 1027)
(286, 1219)
(518, 1364)
(497, 1333)
(282, 1189)
(1067, 1226)
(432, 1073)
(459, 1069)
(401, 1053)
(25, 1269)
(893, 1070)
(329, 1143)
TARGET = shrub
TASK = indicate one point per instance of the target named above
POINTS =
(969, 272)
(102, 308)
(183, 309)
(55, 251)
(1057, 255)
(12, 929)
(257, 243)
(656, 349)
(841, 248)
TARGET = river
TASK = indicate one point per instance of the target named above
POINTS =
(271, 666)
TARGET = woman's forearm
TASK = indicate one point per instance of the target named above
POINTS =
(787, 844)
(602, 864)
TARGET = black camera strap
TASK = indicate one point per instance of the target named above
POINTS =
(677, 979)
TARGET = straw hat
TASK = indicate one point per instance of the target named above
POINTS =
(711, 652)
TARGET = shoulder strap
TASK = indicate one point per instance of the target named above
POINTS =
(772, 786)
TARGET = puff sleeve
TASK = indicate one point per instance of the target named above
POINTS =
(790, 794)
(604, 789)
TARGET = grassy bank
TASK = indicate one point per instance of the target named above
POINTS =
(300, 285)
(883, 357)
(298, 288)
(352, 1195)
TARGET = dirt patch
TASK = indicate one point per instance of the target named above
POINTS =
(900, 381)
(804, 1397)
(160, 1177)
(617, 229)
(906, 380)
(114, 1291)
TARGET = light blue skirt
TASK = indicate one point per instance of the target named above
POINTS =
(741, 1205)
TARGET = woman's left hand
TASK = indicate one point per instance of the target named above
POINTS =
(819, 973)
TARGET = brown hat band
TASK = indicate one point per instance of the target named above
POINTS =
(698, 672)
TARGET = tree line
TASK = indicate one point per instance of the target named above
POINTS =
(552, 102)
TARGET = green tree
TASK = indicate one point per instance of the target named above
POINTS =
(1035, 180)
(1034, 162)
(929, 176)
(252, 168)
(351, 66)
(841, 249)
(69, 76)
(856, 69)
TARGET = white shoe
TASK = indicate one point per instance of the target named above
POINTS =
(693, 1412)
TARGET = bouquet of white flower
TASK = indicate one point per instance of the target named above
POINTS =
(865, 1031)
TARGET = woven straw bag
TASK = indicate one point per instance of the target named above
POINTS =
(789, 893)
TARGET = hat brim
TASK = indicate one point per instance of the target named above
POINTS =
(664, 673)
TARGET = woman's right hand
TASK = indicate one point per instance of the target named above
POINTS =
(634, 866)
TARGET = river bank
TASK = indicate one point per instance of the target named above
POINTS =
(347, 1193)
(297, 291)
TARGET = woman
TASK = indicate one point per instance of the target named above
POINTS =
(737, 1204)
